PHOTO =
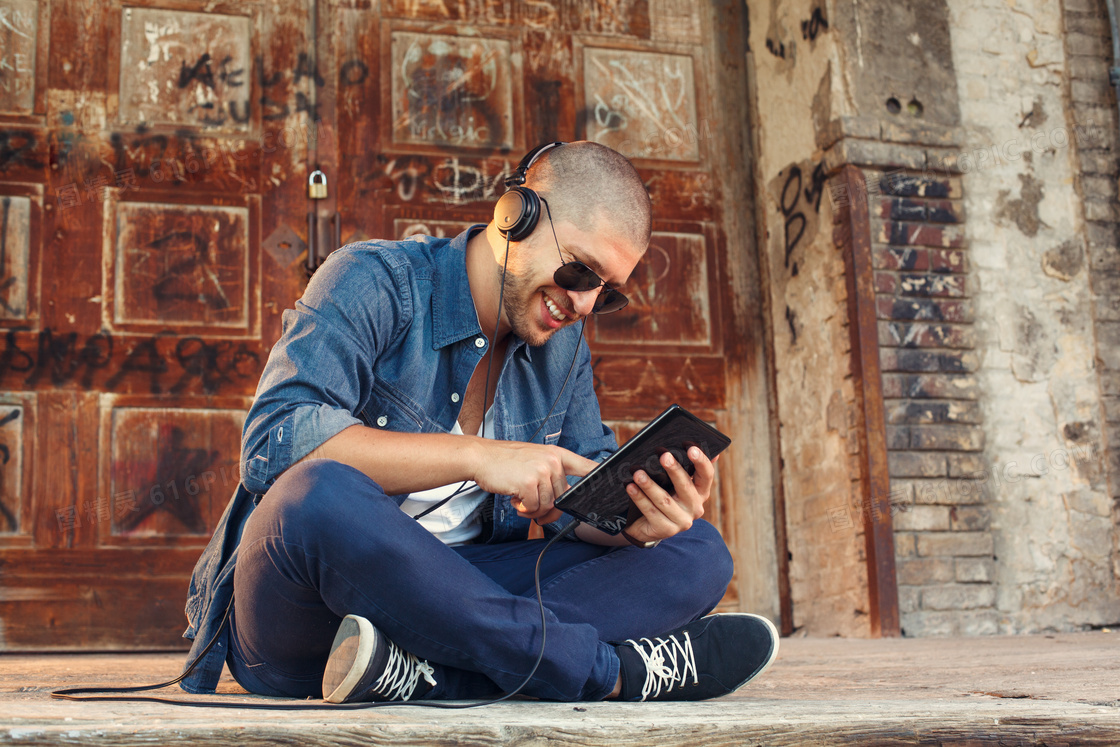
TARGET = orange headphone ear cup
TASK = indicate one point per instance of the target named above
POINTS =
(516, 213)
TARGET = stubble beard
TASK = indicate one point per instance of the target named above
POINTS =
(517, 303)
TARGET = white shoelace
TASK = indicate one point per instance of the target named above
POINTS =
(402, 674)
(667, 661)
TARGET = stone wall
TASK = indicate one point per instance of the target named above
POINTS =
(1041, 475)
(987, 134)
(1093, 104)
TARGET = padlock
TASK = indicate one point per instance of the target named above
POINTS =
(317, 185)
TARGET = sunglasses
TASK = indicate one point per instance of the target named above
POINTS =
(577, 277)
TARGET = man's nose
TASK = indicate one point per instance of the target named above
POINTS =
(584, 301)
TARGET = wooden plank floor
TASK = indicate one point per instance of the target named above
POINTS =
(1053, 689)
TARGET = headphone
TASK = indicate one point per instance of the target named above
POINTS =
(517, 211)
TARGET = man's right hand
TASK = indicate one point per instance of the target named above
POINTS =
(532, 474)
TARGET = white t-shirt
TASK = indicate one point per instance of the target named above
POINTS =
(456, 521)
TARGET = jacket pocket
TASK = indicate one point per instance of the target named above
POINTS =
(388, 411)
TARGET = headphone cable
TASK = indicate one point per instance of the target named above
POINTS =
(486, 387)
(76, 693)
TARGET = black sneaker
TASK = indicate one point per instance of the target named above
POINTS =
(710, 657)
(366, 666)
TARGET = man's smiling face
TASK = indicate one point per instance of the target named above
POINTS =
(534, 304)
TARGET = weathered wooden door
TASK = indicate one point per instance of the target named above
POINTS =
(435, 101)
(152, 169)
(154, 156)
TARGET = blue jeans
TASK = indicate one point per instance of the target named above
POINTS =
(326, 541)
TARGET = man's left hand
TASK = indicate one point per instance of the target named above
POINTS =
(667, 514)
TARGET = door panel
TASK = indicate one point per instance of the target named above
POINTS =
(155, 222)
(467, 88)
(137, 307)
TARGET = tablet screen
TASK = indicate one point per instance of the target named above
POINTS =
(600, 498)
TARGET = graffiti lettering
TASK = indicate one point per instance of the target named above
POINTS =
(461, 183)
(202, 72)
(270, 110)
(303, 104)
(190, 279)
(306, 69)
(811, 28)
(58, 358)
(790, 201)
(14, 19)
(353, 73)
(213, 365)
(452, 93)
(792, 218)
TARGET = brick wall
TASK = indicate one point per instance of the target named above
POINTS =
(935, 436)
(1093, 105)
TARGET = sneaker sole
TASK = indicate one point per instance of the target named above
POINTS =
(351, 651)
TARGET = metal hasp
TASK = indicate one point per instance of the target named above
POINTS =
(317, 185)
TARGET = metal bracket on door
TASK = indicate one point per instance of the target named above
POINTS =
(315, 225)
(317, 190)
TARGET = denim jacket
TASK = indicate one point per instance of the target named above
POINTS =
(387, 329)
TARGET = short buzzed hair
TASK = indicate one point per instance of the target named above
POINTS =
(585, 183)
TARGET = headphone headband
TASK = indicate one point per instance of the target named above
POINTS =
(518, 175)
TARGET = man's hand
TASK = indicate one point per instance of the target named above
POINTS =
(534, 475)
(666, 514)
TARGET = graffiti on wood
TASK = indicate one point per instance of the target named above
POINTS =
(185, 68)
(669, 299)
(642, 104)
(63, 359)
(451, 181)
(19, 28)
(168, 466)
(182, 263)
(797, 190)
(450, 90)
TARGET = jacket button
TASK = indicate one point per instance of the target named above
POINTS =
(454, 396)
(383, 421)
(479, 342)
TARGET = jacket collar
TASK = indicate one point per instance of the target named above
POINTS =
(454, 316)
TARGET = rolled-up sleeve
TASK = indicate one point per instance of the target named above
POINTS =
(320, 373)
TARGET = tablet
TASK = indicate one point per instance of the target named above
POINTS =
(600, 498)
